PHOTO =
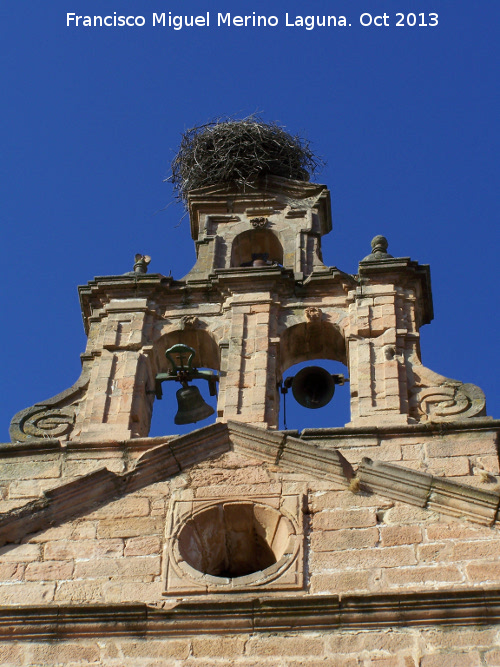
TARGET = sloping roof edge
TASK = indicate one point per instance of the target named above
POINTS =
(166, 460)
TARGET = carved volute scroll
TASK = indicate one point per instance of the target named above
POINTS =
(53, 418)
(435, 398)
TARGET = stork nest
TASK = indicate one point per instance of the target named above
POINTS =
(237, 152)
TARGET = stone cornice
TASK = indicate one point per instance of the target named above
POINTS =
(286, 614)
(434, 493)
(268, 192)
(333, 436)
(431, 428)
(281, 448)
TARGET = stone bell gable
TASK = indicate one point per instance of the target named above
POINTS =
(373, 543)
(258, 300)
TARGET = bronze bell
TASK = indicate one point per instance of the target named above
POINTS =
(313, 387)
(191, 406)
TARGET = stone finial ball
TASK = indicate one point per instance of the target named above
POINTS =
(379, 244)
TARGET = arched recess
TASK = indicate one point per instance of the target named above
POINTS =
(261, 242)
(311, 340)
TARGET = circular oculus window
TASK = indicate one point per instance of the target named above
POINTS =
(237, 539)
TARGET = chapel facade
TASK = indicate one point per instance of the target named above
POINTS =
(374, 543)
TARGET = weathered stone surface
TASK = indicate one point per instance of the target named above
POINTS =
(111, 537)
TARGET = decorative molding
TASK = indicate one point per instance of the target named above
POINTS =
(292, 453)
(259, 223)
(313, 315)
(436, 398)
(295, 613)
(434, 493)
(278, 448)
(189, 322)
(203, 535)
(451, 402)
(52, 418)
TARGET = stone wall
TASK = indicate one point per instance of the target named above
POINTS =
(110, 561)
(414, 647)
(354, 542)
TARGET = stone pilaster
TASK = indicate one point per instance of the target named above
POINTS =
(116, 405)
(248, 389)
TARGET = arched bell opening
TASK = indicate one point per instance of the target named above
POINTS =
(178, 407)
(313, 361)
(256, 247)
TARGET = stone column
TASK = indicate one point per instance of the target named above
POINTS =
(386, 311)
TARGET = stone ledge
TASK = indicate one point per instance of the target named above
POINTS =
(282, 448)
(432, 428)
(346, 433)
(287, 614)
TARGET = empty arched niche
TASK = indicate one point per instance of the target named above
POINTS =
(256, 244)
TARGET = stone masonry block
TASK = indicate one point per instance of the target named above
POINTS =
(26, 593)
(83, 549)
(464, 637)
(338, 519)
(343, 582)
(218, 648)
(63, 653)
(137, 566)
(20, 553)
(124, 507)
(423, 576)
(466, 444)
(132, 591)
(130, 527)
(142, 546)
(468, 658)
(276, 647)
(82, 591)
(337, 540)
(383, 557)
(30, 470)
(49, 571)
(150, 649)
(385, 641)
(399, 535)
(483, 573)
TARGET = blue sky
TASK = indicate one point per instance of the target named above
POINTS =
(406, 118)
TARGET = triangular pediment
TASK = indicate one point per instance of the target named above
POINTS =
(288, 452)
